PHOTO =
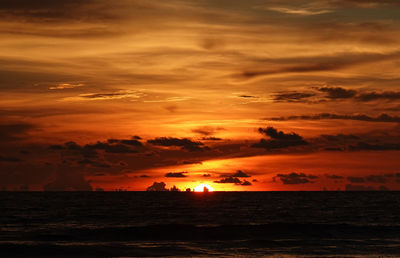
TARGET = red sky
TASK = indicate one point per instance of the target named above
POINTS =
(296, 95)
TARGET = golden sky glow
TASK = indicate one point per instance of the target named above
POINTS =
(296, 95)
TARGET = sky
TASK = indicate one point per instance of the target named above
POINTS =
(258, 95)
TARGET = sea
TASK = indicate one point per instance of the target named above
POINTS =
(187, 224)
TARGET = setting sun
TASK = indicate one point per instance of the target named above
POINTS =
(203, 188)
(200, 128)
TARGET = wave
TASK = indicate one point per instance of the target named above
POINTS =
(223, 240)
(221, 232)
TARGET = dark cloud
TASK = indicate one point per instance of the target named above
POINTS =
(91, 157)
(191, 162)
(337, 92)
(386, 95)
(397, 175)
(229, 180)
(295, 178)
(279, 135)
(206, 175)
(245, 182)
(144, 176)
(333, 149)
(389, 175)
(175, 174)
(375, 147)
(340, 137)
(335, 177)
(132, 142)
(111, 148)
(185, 143)
(211, 139)
(71, 145)
(233, 180)
(293, 69)
(56, 147)
(274, 144)
(395, 108)
(334, 94)
(89, 153)
(94, 163)
(292, 96)
(206, 130)
(355, 179)
(240, 173)
(375, 179)
(322, 116)
(95, 155)
(246, 96)
(157, 187)
(14, 131)
(105, 95)
(376, 140)
(338, 142)
(113, 140)
(279, 139)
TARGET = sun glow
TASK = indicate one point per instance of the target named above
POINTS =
(203, 188)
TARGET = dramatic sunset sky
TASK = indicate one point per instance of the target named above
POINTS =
(241, 95)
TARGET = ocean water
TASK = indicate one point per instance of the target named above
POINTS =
(131, 224)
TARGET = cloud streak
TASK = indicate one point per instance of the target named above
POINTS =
(185, 143)
(317, 64)
(302, 11)
(279, 139)
(335, 94)
(295, 178)
(175, 174)
(385, 118)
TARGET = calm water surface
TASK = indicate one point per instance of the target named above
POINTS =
(129, 224)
